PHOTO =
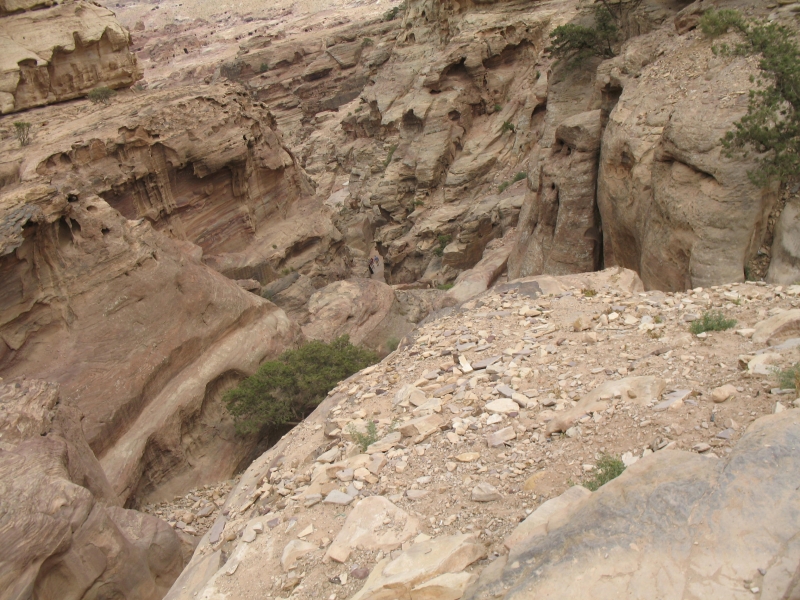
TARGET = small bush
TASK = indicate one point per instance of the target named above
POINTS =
(101, 95)
(519, 176)
(364, 440)
(507, 126)
(394, 12)
(263, 68)
(445, 286)
(443, 241)
(789, 378)
(503, 187)
(418, 203)
(22, 129)
(367, 42)
(285, 390)
(608, 468)
(497, 108)
(711, 321)
(392, 343)
(715, 23)
(389, 156)
(589, 292)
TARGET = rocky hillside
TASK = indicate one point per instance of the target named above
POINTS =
(488, 418)
(422, 176)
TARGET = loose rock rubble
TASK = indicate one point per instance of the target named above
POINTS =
(483, 416)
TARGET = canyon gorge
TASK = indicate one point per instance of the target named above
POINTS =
(225, 200)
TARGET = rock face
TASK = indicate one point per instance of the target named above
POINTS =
(55, 51)
(96, 302)
(365, 309)
(673, 207)
(63, 535)
(658, 529)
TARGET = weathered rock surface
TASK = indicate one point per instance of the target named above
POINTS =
(63, 534)
(365, 309)
(96, 302)
(56, 51)
(673, 207)
(675, 525)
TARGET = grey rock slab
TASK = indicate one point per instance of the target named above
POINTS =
(485, 492)
(676, 514)
(485, 362)
(216, 530)
(337, 497)
(444, 390)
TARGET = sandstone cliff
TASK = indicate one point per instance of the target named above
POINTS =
(58, 50)
(63, 534)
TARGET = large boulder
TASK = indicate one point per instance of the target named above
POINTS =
(60, 50)
(63, 535)
(365, 309)
(674, 525)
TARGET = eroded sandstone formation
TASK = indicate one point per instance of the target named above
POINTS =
(64, 536)
(58, 50)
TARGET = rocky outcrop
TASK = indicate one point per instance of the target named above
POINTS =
(141, 336)
(58, 50)
(365, 309)
(784, 266)
(673, 207)
(659, 528)
(63, 535)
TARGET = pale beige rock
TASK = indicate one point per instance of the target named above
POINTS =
(500, 437)
(419, 564)
(476, 280)
(425, 425)
(364, 528)
(778, 328)
(365, 309)
(293, 551)
(449, 586)
(503, 406)
(645, 390)
(485, 492)
(722, 393)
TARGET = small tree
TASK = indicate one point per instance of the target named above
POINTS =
(771, 126)
(101, 95)
(22, 130)
(285, 390)
(578, 42)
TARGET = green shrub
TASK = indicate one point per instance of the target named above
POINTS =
(101, 95)
(789, 378)
(394, 12)
(578, 42)
(519, 176)
(711, 321)
(285, 390)
(608, 468)
(263, 68)
(771, 127)
(443, 241)
(22, 129)
(389, 156)
(589, 292)
(507, 126)
(445, 286)
(497, 108)
(392, 343)
(503, 187)
(364, 440)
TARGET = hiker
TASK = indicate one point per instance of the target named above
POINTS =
(371, 269)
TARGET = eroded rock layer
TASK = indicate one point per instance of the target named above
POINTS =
(55, 51)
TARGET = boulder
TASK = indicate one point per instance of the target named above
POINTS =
(555, 510)
(478, 279)
(674, 525)
(778, 328)
(420, 564)
(365, 309)
(63, 534)
(784, 264)
(374, 524)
